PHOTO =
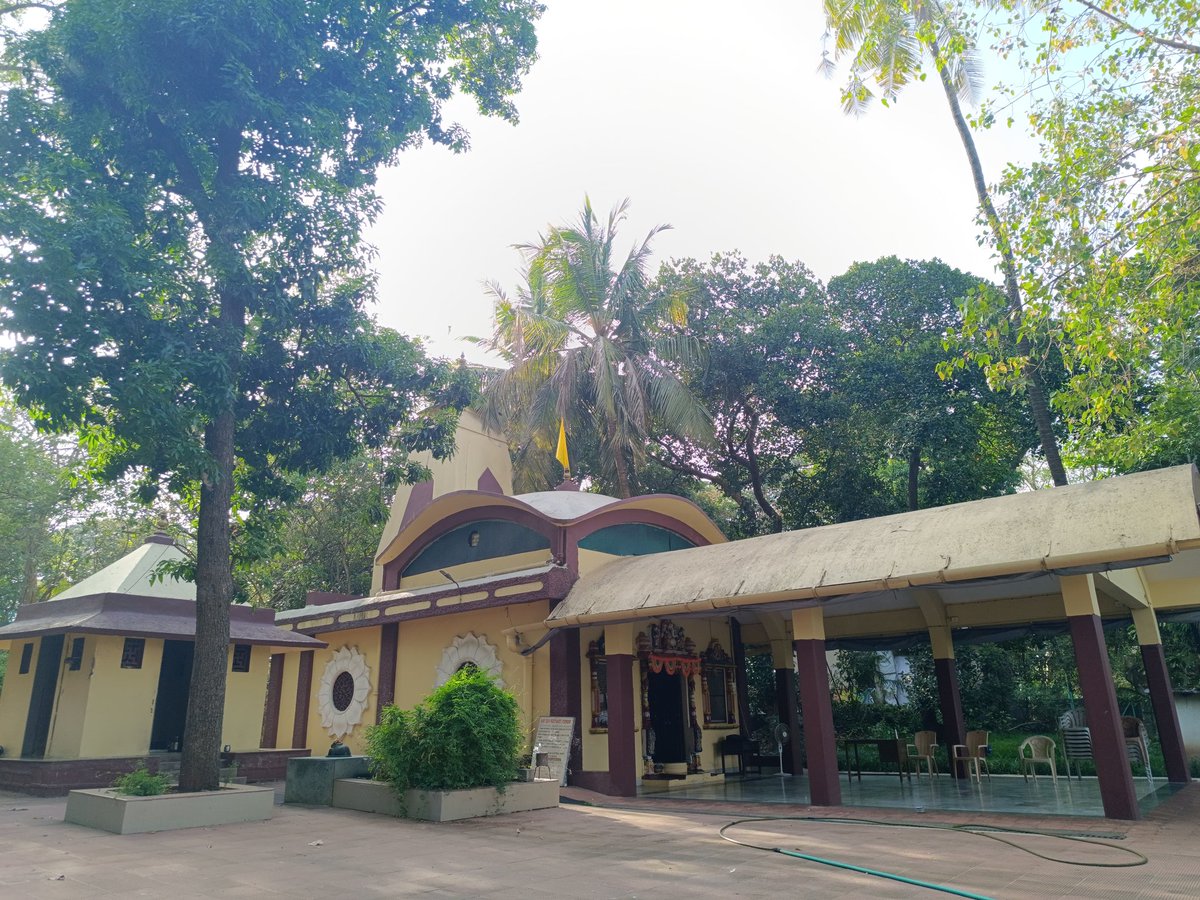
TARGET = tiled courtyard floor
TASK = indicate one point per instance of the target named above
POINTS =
(661, 848)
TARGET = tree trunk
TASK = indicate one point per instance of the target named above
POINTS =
(1035, 390)
(200, 767)
(622, 473)
(914, 471)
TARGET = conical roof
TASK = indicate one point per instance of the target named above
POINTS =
(134, 573)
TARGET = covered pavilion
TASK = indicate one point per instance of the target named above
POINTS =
(1120, 548)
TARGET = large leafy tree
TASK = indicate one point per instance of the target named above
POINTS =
(1106, 219)
(182, 189)
(766, 332)
(587, 343)
(952, 438)
(888, 44)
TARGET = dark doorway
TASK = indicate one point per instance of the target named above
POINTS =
(666, 717)
(41, 700)
(170, 706)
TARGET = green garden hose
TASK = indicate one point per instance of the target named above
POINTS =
(988, 831)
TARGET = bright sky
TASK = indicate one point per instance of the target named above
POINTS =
(708, 115)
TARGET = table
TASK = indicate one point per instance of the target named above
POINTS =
(890, 750)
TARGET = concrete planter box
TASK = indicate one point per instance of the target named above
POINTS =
(121, 814)
(444, 806)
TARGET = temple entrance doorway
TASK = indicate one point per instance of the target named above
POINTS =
(668, 701)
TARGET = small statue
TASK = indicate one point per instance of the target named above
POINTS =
(337, 748)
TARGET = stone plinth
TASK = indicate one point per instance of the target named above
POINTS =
(310, 779)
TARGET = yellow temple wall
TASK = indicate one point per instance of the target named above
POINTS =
(66, 726)
(366, 641)
(245, 697)
(120, 703)
(423, 641)
(14, 701)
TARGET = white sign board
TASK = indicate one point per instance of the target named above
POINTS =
(554, 734)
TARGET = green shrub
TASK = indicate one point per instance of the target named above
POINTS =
(140, 783)
(465, 734)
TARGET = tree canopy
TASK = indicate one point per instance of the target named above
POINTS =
(183, 187)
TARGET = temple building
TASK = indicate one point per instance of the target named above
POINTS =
(634, 616)
(98, 676)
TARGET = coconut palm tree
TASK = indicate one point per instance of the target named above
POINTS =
(585, 344)
(888, 42)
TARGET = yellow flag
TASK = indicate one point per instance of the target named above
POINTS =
(561, 453)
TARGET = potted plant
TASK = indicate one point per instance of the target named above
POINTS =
(455, 755)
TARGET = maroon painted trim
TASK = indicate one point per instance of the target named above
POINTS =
(1166, 717)
(556, 583)
(135, 615)
(954, 729)
(270, 727)
(600, 782)
(303, 694)
(824, 786)
(489, 484)
(621, 506)
(1103, 717)
(389, 644)
(316, 598)
(786, 707)
(566, 685)
(55, 777)
(524, 516)
(419, 499)
(622, 762)
(609, 516)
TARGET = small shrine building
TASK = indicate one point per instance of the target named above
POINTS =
(98, 677)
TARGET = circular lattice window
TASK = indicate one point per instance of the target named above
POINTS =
(465, 650)
(345, 687)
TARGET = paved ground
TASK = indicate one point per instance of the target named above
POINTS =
(650, 848)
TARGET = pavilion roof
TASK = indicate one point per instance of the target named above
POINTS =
(1033, 536)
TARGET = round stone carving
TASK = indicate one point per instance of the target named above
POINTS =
(342, 695)
(469, 648)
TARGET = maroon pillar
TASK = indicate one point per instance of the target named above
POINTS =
(824, 786)
(954, 730)
(270, 727)
(1162, 698)
(566, 698)
(622, 764)
(389, 643)
(789, 715)
(1103, 718)
(739, 672)
(303, 692)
